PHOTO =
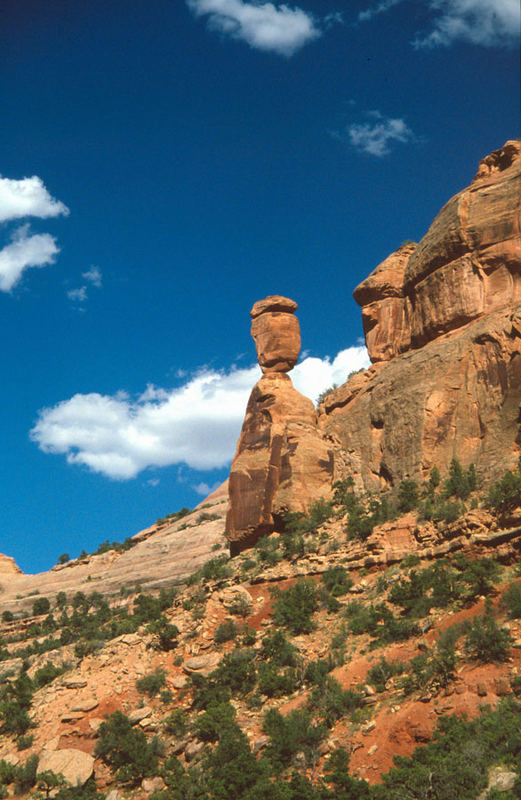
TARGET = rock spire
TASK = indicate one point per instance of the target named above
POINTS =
(282, 462)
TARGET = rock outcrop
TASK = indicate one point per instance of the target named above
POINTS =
(467, 265)
(282, 462)
(442, 321)
(8, 566)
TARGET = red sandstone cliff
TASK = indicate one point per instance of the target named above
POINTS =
(442, 321)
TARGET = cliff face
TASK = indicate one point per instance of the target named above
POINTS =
(442, 321)
(467, 265)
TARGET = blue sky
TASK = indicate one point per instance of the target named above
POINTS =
(164, 165)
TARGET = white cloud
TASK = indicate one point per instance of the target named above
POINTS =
(94, 276)
(375, 138)
(196, 424)
(264, 26)
(78, 295)
(205, 489)
(481, 22)
(23, 252)
(369, 13)
(27, 197)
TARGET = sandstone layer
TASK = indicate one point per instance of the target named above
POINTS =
(164, 555)
(467, 265)
(282, 462)
(442, 321)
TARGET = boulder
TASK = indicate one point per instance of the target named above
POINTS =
(203, 665)
(276, 333)
(75, 765)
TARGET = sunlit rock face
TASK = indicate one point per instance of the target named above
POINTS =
(282, 462)
(442, 321)
(467, 265)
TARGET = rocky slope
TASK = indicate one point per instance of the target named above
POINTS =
(163, 555)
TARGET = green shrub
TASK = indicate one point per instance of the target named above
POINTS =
(7, 772)
(152, 683)
(25, 775)
(126, 750)
(337, 580)
(294, 607)
(48, 673)
(289, 735)
(408, 496)
(505, 495)
(41, 606)
(7, 616)
(24, 742)
(274, 682)
(176, 723)
(64, 558)
(430, 670)
(511, 601)
(486, 641)
(236, 672)
(317, 671)
(241, 607)
(382, 671)
(331, 702)
(226, 631)
(216, 569)
(15, 702)
(277, 649)
(268, 550)
(211, 723)
(336, 773)
(165, 632)
(231, 771)
(208, 692)
(460, 483)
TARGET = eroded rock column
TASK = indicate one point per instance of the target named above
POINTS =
(282, 462)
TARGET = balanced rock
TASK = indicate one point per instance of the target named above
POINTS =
(276, 333)
(282, 462)
(442, 321)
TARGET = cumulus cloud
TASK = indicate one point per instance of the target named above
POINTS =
(264, 26)
(23, 252)
(196, 424)
(482, 22)
(375, 138)
(27, 197)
